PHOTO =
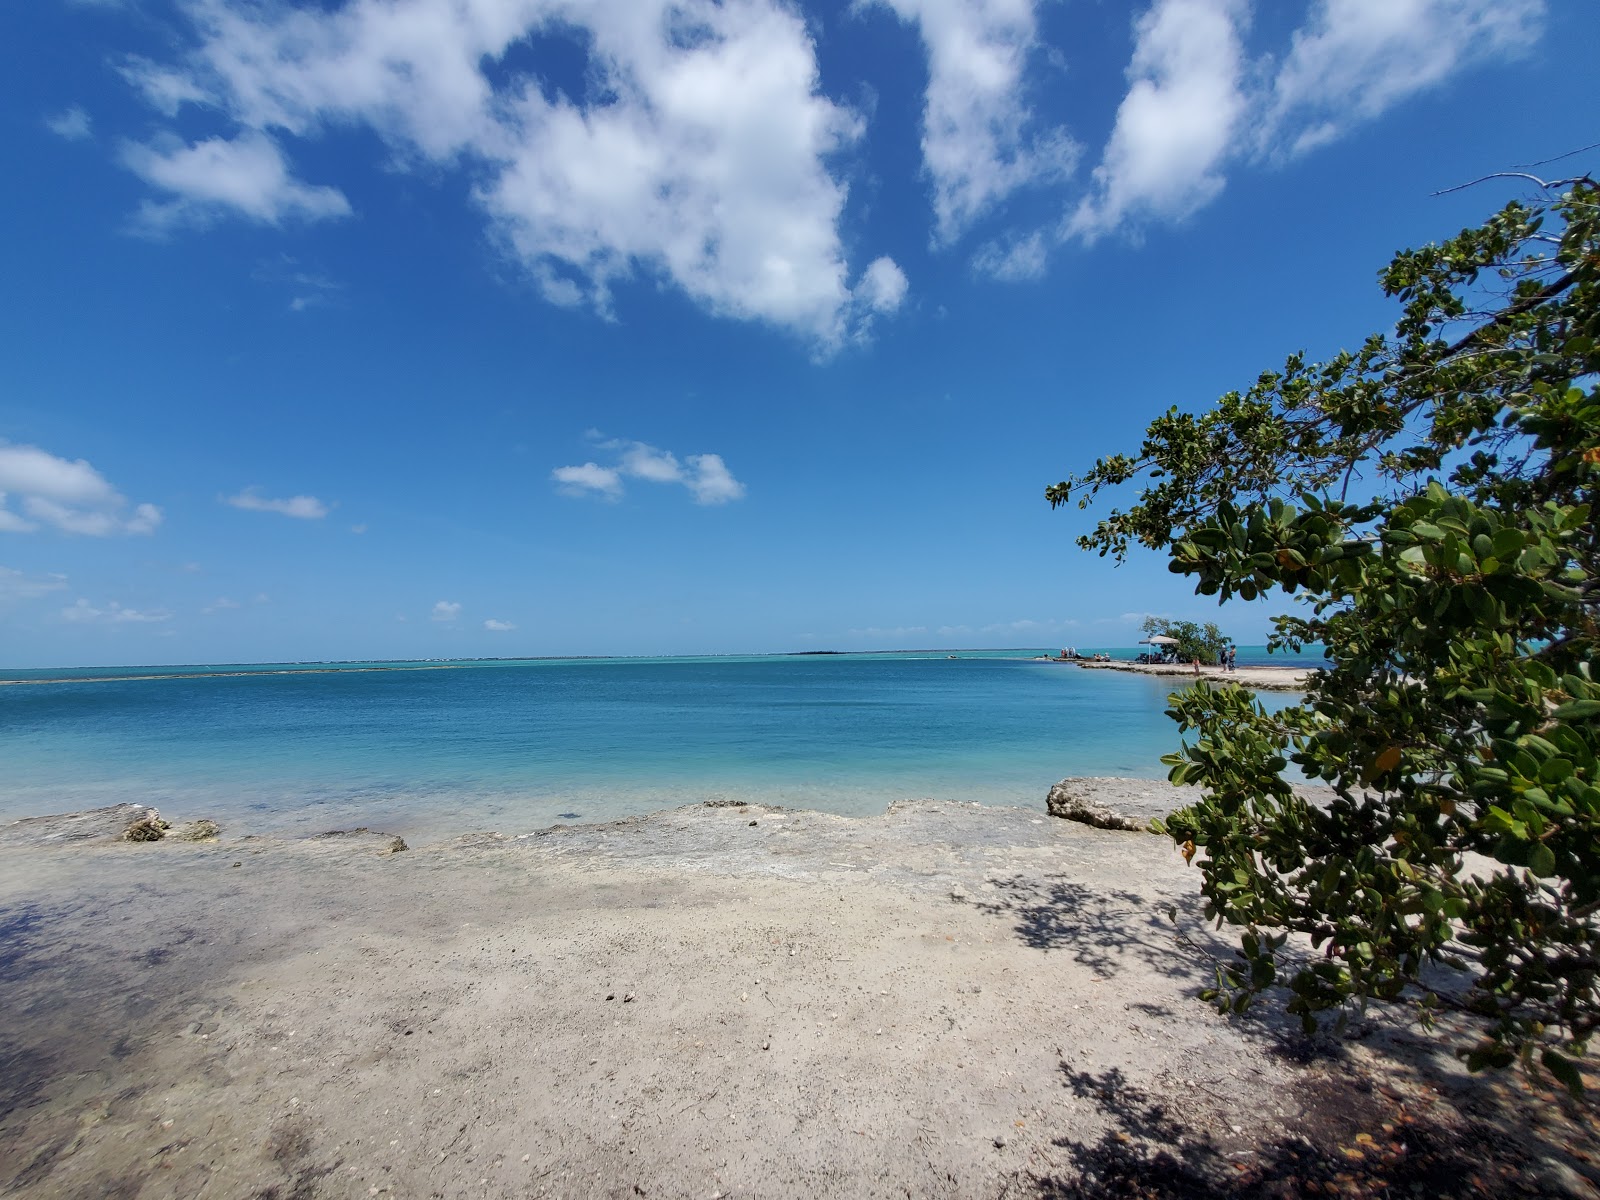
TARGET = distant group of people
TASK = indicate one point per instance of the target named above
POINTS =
(1228, 658)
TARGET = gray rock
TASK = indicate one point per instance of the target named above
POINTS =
(1079, 800)
(96, 825)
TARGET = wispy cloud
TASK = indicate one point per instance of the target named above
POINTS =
(1355, 59)
(494, 626)
(113, 614)
(247, 176)
(306, 508)
(1199, 104)
(67, 495)
(221, 604)
(446, 610)
(706, 476)
(19, 585)
(73, 124)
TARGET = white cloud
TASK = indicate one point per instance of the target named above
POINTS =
(113, 614)
(883, 286)
(697, 150)
(446, 610)
(709, 481)
(72, 124)
(1354, 59)
(164, 89)
(1020, 258)
(64, 494)
(358, 529)
(1195, 103)
(706, 476)
(306, 508)
(221, 604)
(246, 175)
(977, 147)
(590, 479)
(494, 626)
(1177, 123)
(18, 585)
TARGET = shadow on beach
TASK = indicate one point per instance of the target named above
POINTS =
(1404, 1122)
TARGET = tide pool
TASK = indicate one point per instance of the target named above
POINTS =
(428, 750)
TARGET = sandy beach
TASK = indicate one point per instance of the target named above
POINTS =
(716, 1001)
(1264, 679)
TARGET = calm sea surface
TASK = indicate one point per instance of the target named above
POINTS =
(428, 750)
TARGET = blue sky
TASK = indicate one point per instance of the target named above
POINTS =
(406, 328)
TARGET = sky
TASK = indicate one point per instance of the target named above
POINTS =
(359, 329)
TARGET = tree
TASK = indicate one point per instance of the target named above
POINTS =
(1428, 497)
(1194, 640)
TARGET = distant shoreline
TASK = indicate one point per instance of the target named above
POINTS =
(230, 674)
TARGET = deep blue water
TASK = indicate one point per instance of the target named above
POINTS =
(517, 746)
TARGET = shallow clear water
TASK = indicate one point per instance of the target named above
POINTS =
(521, 745)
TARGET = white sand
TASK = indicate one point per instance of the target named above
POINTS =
(944, 1001)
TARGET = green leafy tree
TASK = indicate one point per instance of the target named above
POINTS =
(1429, 497)
(1194, 640)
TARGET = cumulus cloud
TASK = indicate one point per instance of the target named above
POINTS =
(64, 494)
(697, 151)
(19, 585)
(706, 476)
(72, 124)
(446, 610)
(1178, 120)
(979, 141)
(306, 508)
(113, 614)
(883, 286)
(246, 175)
(494, 626)
(1195, 103)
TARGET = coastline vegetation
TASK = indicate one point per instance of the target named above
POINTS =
(1429, 497)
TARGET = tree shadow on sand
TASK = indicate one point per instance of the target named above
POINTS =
(1104, 929)
(1398, 1121)
(1386, 1146)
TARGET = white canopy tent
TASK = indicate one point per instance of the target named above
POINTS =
(1158, 639)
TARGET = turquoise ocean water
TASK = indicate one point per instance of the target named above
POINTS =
(432, 749)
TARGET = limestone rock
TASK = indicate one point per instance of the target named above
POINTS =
(1074, 800)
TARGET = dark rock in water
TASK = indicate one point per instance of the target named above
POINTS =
(397, 844)
(1077, 800)
(147, 829)
(726, 803)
